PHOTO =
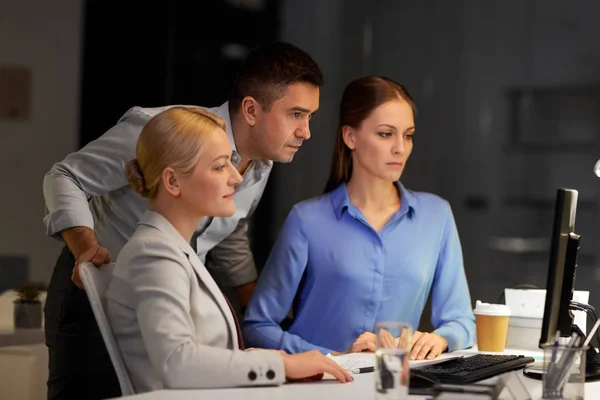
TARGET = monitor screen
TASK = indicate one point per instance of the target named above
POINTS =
(561, 268)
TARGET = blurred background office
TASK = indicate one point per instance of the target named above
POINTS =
(508, 93)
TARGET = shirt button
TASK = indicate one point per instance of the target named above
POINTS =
(271, 374)
(252, 375)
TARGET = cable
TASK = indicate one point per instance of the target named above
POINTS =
(590, 312)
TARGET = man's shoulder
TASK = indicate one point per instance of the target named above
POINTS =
(149, 112)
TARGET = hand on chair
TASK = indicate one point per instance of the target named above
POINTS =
(97, 255)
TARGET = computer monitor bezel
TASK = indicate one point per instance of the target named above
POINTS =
(562, 267)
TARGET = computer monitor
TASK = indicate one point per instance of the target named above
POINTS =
(561, 269)
(561, 278)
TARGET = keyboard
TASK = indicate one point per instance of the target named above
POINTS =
(474, 368)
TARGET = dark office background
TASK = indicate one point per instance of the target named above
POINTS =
(183, 52)
(508, 93)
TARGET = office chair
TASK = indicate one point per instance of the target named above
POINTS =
(95, 281)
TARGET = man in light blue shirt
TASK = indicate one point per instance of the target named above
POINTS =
(91, 207)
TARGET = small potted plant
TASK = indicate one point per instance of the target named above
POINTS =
(28, 306)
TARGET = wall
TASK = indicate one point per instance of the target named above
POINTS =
(458, 60)
(314, 26)
(46, 37)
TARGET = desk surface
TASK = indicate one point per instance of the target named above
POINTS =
(10, 336)
(362, 388)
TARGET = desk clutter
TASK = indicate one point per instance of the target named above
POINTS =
(508, 382)
(565, 368)
(451, 375)
(527, 312)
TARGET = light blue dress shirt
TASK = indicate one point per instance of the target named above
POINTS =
(356, 276)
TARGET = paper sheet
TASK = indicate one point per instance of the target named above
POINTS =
(362, 360)
(354, 360)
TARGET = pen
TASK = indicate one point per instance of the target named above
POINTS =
(555, 347)
(552, 364)
(565, 364)
(592, 333)
(363, 370)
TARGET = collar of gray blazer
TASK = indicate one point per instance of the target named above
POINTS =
(156, 220)
(223, 112)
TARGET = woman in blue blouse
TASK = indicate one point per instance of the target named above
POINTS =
(367, 250)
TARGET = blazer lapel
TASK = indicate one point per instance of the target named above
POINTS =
(219, 297)
(159, 222)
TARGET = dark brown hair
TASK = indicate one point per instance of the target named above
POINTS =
(268, 70)
(360, 98)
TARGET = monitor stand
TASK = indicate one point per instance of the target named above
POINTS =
(592, 362)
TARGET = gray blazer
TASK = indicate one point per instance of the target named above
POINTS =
(171, 322)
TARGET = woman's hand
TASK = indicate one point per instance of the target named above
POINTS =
(386, 339)
(312, 365)
(365, 342)
(427, 345)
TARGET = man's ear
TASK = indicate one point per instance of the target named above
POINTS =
(171, 182)
(348, 136)
(250, 110)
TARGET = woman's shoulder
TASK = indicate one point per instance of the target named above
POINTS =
(429, 201)
(147, 237)
(312, 209)
(148, 243)
(317, 203)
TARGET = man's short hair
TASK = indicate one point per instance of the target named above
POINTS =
(269, 69)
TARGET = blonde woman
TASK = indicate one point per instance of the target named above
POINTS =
(172, 324)
(94, 211)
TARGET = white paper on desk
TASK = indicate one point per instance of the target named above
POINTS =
(354, 360)
(363, 360)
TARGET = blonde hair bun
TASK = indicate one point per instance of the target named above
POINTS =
(135, 177)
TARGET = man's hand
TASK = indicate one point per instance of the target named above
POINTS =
(84, 246)
(96, 255)
(427, 345)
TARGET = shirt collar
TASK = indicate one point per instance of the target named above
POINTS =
(341, 201)
(223, 112)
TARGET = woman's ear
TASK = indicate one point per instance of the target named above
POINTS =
(348, 136)
(250, 110)
(170, 181)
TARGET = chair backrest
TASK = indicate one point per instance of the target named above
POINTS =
(96, 281)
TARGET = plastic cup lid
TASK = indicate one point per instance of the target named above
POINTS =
(491, 309)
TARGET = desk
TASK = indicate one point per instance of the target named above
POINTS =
(10, 336)
(363, 388)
